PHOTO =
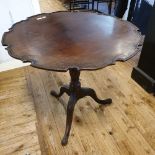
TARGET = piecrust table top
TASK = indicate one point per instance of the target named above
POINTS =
(62, 40)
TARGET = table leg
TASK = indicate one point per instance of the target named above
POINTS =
(75, 91)
(70, 109)
(93, 1)
(63, 89)
(90, 92)
(110, 7)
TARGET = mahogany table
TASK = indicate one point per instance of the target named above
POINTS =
(73, 41)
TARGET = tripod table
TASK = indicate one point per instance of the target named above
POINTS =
(73, 41)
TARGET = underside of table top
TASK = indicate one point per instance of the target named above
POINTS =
(62, 40)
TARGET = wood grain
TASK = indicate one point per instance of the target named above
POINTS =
(17, 115)
(126, 127)
(121, 128)
(59, 41)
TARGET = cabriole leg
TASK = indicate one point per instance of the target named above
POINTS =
(90, 92)
(63, 89)
(75, 92)
(70, 109)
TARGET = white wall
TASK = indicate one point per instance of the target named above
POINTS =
(5, 23)
(12, 11)
(21, 9)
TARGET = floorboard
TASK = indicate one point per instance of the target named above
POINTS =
(18, 133)
(33, 122)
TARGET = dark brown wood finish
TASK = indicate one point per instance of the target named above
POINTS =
(72, 41)
(75, 91)
(62, 40)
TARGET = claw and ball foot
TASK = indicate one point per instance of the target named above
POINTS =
(75, 91)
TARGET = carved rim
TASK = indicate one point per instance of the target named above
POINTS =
(33, 63)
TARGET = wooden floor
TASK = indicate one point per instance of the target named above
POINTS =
(125, 127)
(18, 133)
(33, 122)
(51, 6)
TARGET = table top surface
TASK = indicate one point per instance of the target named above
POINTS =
(62, 40)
